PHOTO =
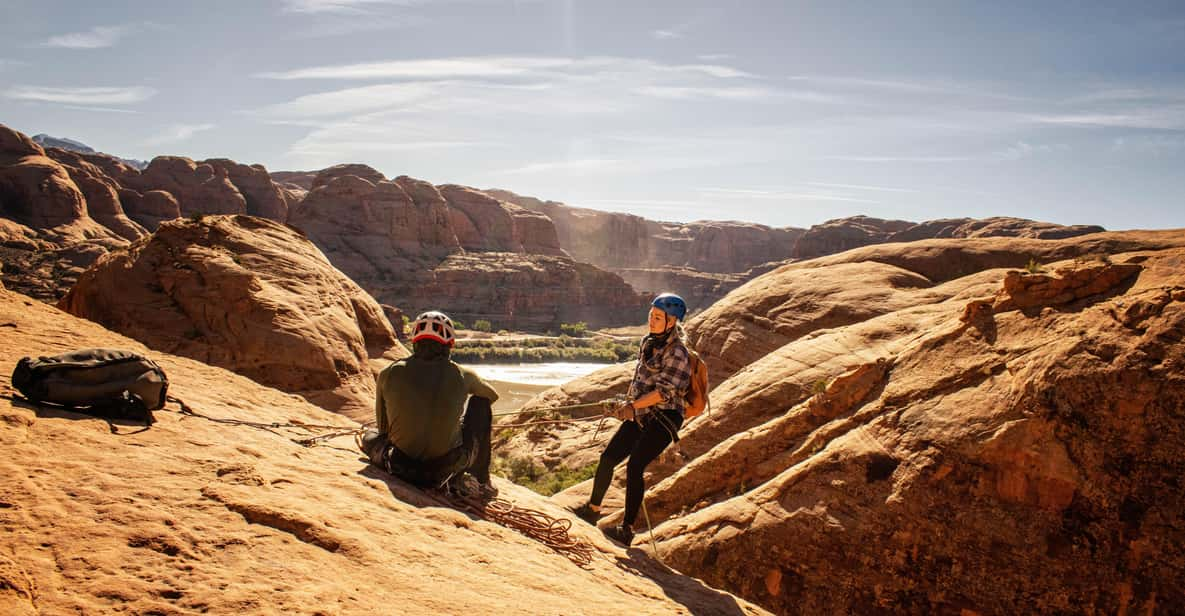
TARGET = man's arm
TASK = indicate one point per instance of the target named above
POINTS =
(380, 407)
(480, 388)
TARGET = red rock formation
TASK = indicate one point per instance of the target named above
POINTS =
(991, 227)
(967, 448)
(699, 289)
(843, 234)
(1001, 463)
(34, 189)
(613, 240)
(150, 208)
(47, 236)
(406, 242)
(100, 191)
(295, 179)
(263, 197)
(248, 294)
(327, 175)
(527, 291)
(483, 223)
(198, 188)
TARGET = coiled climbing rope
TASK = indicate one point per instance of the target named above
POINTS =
(534, 524)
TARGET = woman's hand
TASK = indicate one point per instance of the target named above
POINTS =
(625, 412)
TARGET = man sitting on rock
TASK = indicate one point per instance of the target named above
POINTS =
(422, 436)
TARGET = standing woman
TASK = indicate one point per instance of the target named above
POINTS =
(653, 417)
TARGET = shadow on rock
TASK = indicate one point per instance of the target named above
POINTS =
(50, 411)
(699, 598)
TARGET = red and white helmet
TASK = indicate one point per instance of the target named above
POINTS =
(433, 325)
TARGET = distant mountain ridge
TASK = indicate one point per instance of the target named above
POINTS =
(49, 141)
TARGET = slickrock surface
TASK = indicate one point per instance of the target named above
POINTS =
(191, 516)
(1005, 460)
(816, 315)
(248, 294)
(1009, 442)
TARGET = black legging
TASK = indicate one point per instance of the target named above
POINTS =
(476, 426)
(641, 444)
(473, 456)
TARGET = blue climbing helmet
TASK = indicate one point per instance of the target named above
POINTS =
(671, 304)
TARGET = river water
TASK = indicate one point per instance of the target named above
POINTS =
(547, 374)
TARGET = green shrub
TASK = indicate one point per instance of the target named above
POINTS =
(483, 325)
(1033, 267)
(524, 471)
(576, 330)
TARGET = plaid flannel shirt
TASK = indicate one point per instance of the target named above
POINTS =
(668, 372)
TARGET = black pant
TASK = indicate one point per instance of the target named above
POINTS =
(641, 444)
(473, 456)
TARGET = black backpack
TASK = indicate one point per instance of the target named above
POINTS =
(109, 383)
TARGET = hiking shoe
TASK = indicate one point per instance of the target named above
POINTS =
(461, 486)
(621, 534)
(585, 512)
(486, 490)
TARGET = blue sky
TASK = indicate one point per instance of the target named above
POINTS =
(784, 113)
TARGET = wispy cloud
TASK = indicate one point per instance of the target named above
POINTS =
(488, 100)
(664, 35)
(99, 109)
(82, 96)
(714, 57)
(861, 187)
(729, 93)
(490, 67)
(6, 64)
(352, 100)
(898, 159)
(444, 68)
(1165, 118)
(341, 25)
(1155, 145)
(314, 7)
(95, 38)
(1023, 149)
(176, 133)
(783, 195)
(590, 164)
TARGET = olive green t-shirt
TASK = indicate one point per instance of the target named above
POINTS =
(419, 404)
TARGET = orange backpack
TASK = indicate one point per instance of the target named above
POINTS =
(697, 395)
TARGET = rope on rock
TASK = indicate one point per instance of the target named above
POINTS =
(534, 524)
(547, 421)
(272, 426)
(571, 407)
